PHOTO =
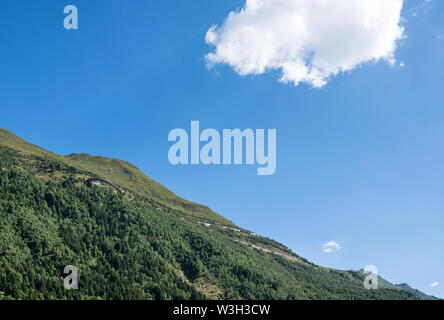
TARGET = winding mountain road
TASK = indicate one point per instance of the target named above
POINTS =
(92, 180)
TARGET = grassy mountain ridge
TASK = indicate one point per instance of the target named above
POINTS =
(137, 245)
(121, 173)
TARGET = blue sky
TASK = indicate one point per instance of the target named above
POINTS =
(359, 161)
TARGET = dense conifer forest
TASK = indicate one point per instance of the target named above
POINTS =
(132, 246)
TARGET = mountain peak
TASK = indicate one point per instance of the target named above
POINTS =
(122, 173)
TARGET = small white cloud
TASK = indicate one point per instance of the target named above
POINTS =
(418, 7)
(330, 247)
(434, 284)
(309, 41)
(402, 64)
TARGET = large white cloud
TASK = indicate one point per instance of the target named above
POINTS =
(308, 40)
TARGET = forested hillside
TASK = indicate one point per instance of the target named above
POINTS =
(120, 172)
(133, 246)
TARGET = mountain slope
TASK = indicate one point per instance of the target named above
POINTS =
(136, 245)
(420, 295)
(119, 172)
(383, 283)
